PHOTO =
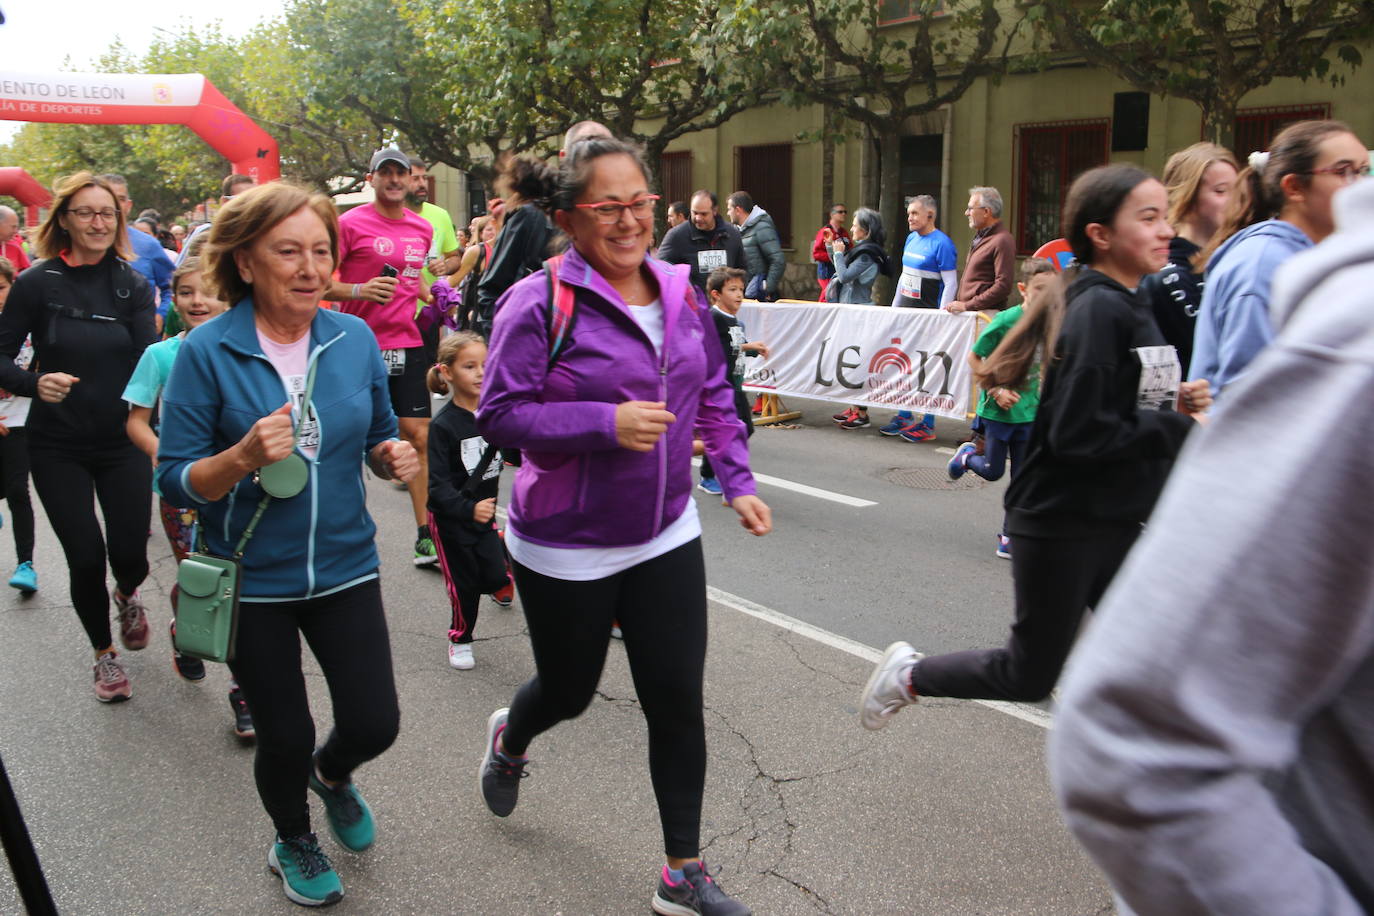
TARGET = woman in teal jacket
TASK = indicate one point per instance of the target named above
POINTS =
(230, 409)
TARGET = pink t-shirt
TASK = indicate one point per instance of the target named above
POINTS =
(292, 360)
(367, 241)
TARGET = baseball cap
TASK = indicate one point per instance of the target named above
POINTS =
(390, 154)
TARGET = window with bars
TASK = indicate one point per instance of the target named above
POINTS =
(765, 172)
(675, 177)
(892, 12)
(1049, 157)
(1256, 127)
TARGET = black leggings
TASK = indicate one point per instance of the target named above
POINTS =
(14, 470)
(69, 481)
(1056, 581)
(347, 633)
(661, 607)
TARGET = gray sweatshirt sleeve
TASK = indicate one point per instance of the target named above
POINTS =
(1224, 652)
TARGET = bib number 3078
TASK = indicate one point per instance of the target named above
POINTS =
(395, 361)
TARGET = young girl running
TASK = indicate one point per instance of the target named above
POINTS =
(1112, 417)
(14, 458)
(471, 554)
(194, 304)
(1282, 206)
(1006, 359)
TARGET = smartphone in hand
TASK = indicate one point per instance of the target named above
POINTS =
(388, 270)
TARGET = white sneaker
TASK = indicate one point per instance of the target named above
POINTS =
(888, 688)
(615, 632)
(460, 656)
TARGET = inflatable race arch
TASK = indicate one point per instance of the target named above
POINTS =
(24, 188)
(128, 98)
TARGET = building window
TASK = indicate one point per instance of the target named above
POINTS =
(1049, 157)
(892, 12)
(675, 177)
(1256, 127)
(765, 172)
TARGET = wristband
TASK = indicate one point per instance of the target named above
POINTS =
(357, 290)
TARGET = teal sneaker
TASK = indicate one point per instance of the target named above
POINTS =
(24, 578)
(350, 819)
(306, 875)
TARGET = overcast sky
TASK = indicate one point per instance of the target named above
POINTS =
(39, 34)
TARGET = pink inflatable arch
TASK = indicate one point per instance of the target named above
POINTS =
(127, 98)
(24, 188)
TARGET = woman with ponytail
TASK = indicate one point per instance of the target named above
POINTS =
(1112, 417)
(1282, 206)
(1200, 181)
(526, 184)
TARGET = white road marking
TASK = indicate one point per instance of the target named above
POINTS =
(808, 490)
(1026, 713)
(944, 449)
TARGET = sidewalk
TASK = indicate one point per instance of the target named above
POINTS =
(149, 806)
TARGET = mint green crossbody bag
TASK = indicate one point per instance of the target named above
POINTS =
(207, 621)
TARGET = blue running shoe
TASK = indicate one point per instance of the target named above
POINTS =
(24, 578)
(898, 424)
(710, 485)
(1004, 546)
(350, 819)
(306, 874)
(959, 463)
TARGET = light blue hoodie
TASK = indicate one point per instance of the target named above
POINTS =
(1233, 324)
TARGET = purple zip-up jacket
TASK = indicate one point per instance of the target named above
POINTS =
(577, 486)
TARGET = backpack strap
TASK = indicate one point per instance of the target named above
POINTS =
(562, 308)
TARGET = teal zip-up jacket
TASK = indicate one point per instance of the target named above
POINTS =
(321, 540)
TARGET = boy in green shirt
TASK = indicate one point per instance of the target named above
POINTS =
(1007, 412)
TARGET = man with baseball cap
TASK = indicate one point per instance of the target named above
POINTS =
(382, 250)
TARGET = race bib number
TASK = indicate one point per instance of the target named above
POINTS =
(395, 361)
(471, 452)
(710, 259)
(310, 429)
(1160, 376)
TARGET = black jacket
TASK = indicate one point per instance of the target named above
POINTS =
(1175, 294)
(455, 448)
(93, 322)
(519, 251)
(684, 244)
(1096, 456)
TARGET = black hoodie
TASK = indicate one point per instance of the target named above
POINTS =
(1175, 294)
(1101, 447)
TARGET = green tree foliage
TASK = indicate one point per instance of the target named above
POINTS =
(1211, 52)
(834, 52)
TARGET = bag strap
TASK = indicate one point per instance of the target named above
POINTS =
(475, 478)
(562, 308)
(266, 497)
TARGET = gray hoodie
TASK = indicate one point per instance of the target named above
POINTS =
(1215, 748)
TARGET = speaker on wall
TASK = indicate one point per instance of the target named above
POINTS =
(1130, 121)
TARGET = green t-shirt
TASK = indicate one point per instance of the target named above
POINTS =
(445, 238)
(1023, 411)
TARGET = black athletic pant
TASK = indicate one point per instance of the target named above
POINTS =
(14, 470)
(1056, 580)
(661, 607)
(347, 633)
(69, 480)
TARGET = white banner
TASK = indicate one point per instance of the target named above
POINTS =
(907, 359)
(101, 89)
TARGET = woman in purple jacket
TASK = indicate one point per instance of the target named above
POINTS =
(602, 525)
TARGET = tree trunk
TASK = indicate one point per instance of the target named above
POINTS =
(1219, 125)
(829, 123)
(889, 202)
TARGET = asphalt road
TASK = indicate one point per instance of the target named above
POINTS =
(149, 806)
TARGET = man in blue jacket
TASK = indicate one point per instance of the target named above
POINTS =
(150, 258)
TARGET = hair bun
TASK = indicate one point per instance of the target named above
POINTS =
(1257, 161)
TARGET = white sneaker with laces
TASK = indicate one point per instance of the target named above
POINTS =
(889, 687)
(460, 656)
